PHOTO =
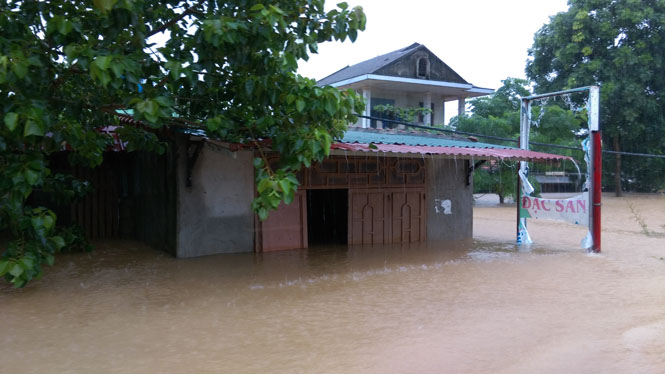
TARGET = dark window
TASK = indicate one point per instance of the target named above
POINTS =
(422, 67)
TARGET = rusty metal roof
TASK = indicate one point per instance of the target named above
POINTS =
(363, 141)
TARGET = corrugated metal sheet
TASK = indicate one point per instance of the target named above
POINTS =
(367, 137)
(359, 141)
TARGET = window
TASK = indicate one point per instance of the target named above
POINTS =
(422, 70)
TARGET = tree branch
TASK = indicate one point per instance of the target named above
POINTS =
(173, 21)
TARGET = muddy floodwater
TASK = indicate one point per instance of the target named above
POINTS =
(477, 306)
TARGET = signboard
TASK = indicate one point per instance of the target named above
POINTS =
(574, 210)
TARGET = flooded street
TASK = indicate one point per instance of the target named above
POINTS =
(479, 306)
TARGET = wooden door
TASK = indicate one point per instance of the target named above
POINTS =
(286, 227)
(381, 216)
(408, 222)
(368, 217)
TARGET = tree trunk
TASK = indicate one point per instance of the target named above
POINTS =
(617, 169)
(501, 198)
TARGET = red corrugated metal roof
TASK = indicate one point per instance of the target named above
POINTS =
(462, 152)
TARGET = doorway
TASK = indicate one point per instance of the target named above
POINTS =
(327, 216)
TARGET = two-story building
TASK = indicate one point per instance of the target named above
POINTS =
(410, 77)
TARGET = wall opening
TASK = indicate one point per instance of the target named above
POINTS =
(327, 216)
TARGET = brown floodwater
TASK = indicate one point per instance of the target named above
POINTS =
(481, 306)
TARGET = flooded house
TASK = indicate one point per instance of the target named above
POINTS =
(378, 186)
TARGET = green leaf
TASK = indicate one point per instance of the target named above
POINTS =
(11, 120)
(163, 101)
(25, 263)
(263, 214)
(103, 62)
(33, 128)
(300, 105)
(118, 69)
(256, 7)
(31, 176)
(285, 186)
(104, 5)
(63, 25)
(330, 108)
(49, 222)
(71, 51)
(20, 69)
(174, 68)
(16, 270)
(148, 108)
(277, 10)
(4, 267)
(59, 243)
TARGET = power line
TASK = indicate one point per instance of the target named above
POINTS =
(431, 128)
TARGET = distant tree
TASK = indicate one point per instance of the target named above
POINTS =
(227, 68)
(618, 45)
(499, 115)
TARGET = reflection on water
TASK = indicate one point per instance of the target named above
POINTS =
(458, 307)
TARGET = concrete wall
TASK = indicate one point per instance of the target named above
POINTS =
(406, 68)
(215, 214)
(449, 200)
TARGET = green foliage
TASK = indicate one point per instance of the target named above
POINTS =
(401, 114)
(618, 45)
(499, 115)
(501, 179)
(226, 67)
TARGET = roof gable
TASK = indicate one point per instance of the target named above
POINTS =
(399, 63)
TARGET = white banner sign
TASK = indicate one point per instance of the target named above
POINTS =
(573, 210)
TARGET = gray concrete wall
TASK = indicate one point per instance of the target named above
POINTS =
(215, 214)
(406, 68)
(449, 200)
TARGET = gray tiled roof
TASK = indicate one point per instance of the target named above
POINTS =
(368, 67)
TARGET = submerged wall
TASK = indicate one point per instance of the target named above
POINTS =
(449, 200)
(215, 214)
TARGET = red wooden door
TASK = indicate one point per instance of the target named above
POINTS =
(285, 228)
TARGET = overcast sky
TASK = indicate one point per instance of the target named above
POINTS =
(485, 41)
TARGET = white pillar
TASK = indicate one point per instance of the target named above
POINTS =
(443, 113)
(427, 103)
(367, 95)
(461, 106)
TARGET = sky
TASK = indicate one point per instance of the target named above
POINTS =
(484, 41)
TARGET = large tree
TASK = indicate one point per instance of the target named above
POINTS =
(223, 67)
(617, 44)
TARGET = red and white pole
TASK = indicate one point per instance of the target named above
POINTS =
(596, 165)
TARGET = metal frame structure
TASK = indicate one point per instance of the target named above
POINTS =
(595, 165)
